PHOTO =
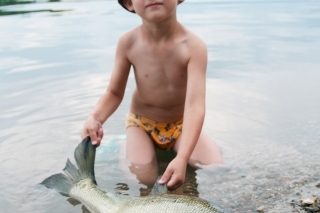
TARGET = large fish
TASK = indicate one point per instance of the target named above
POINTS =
(80, 184)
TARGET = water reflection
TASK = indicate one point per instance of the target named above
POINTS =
(13, 2)
(21, 12)
(5, 12)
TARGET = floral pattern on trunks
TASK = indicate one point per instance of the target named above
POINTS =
(163, 134)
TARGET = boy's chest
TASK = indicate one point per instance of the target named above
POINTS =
(161, 61)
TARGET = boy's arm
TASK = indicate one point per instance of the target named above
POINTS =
(193, 117)
(112, 97)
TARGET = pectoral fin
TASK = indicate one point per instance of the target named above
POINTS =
(85, 210)
(159, 188)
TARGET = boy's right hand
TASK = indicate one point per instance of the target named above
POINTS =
(93, 129)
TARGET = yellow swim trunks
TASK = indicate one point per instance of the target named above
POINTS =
(164, 135)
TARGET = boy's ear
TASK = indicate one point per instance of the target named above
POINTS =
(128, 5)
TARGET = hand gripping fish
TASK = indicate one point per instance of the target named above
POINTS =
(80, 184)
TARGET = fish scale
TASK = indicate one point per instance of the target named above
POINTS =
(80, 184)
(169, 204)
(92, 197)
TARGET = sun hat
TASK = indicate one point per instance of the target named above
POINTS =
(122, 4)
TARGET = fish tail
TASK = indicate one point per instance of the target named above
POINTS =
(84, 155)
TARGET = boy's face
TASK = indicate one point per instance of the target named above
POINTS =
(152, 10)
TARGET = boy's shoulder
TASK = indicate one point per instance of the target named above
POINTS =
(129, 37)
(193, 40)
(186, 38)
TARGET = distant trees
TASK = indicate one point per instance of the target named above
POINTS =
(10, 2)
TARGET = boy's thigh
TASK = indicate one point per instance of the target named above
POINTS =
(205, 152)
(139, 146)
(140, 151)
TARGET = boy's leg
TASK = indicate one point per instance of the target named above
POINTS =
(140, 152)
(206, 152)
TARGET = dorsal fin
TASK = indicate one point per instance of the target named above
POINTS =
(159, 188)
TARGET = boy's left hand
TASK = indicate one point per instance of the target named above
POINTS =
(175, 173)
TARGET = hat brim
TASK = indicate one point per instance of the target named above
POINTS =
(122, 4)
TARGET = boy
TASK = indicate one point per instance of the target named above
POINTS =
(168, 105)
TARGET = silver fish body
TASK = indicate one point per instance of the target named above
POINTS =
(80, 184)
(98, 201)
(170, 204)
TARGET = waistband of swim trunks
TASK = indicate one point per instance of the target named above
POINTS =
(155, 122)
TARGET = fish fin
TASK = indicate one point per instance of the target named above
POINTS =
(218, 208)
(60, 182)
(71, 171)
(73, 202)
(159, 188)
(85, 210)
(85, 155)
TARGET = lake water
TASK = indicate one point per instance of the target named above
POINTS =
(263, 102)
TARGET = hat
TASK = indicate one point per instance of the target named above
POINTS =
(122, 4)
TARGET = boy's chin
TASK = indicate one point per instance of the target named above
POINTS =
(156, 17)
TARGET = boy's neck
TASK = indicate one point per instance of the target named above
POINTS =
(164, 30)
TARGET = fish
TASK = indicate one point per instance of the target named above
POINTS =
(80, 184)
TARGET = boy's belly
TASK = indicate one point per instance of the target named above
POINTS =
(165, 111)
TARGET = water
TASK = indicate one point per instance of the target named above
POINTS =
(262, 99)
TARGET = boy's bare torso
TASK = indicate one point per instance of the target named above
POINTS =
(170, 65)
(160, 70)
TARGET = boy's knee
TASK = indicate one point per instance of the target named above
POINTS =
(207, 160)
(146, 174)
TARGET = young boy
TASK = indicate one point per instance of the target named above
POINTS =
(168, 104)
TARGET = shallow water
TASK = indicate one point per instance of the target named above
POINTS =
(262, 99)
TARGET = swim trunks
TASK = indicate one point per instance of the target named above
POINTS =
(163, 134)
